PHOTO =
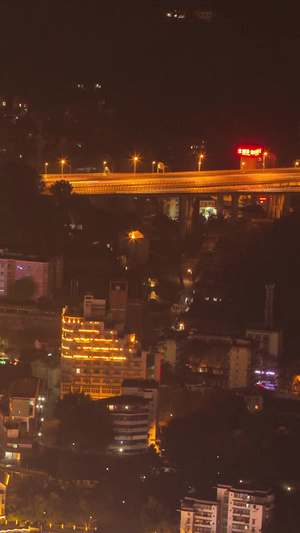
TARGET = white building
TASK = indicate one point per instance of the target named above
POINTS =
(242, 509)
(231, 510)
(269, 341)
(199, 516)
(148, 390)
(131, 424)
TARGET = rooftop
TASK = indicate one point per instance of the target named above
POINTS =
(127, 399)
(141, 383)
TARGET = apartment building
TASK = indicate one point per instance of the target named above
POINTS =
(149, 391)
(47, 274)
(131, 424)
(199, 516)
(19, 423)
(97, 356)
(239, 365)
(244, 509)
(232, 509)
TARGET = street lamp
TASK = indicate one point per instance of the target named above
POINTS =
(104, 165)
(135, 161)
(46, 168)
(62, 163)
(297, 164)
(264, 159)
(200, 159)
(153, 166)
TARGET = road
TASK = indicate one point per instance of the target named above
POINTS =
(223, 181)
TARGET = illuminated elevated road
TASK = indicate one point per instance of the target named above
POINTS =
(281, 180)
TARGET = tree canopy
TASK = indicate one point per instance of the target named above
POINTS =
(22, 290)
(85, 424)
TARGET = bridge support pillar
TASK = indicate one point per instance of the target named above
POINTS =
(275, 206)
(286, 203)
(234, 207)
(183, 214)
(195, 212)
(220, 204)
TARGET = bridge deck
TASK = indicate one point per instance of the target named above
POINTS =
(223, 181)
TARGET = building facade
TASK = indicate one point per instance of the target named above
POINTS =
(239, 366)
(231, 510)
(199, 516)
(47, 275)
(95, 356)
(268, 341)
(149, 391)
(131, 424)
(242, 509)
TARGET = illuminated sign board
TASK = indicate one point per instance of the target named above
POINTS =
(250, 152)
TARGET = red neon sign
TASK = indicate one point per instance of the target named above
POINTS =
(249, 152)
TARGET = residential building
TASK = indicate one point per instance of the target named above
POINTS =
(199, 516)
(47, 274)
(4, 480)
(231, 509)
(19, 420)
(267, 341)
(24, 401)
(96, 355)
(131, 424)
(243, 508)
(239, 366)
(148, 390)
(234, 368)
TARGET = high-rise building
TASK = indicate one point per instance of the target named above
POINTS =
(96, 355)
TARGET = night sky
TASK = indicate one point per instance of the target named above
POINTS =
(172, 82)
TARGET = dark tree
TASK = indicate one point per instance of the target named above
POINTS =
(84, 422)
(22, 290)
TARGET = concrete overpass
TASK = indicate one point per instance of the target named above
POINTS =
(212, 182)
(278, 184)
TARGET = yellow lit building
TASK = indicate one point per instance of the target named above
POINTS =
(96, 359)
